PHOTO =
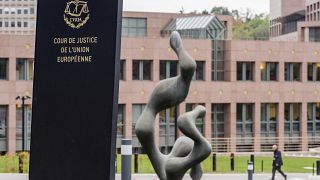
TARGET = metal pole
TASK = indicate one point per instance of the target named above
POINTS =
(250, 170)
(313, 169)
(136, 163)
(318, 168)
(252, 160)
(23, 124)
(126, 154)
(262, 166)
(214, 162)
(232, 162)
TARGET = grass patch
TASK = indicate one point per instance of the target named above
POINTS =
(10, 164)
(291, 164)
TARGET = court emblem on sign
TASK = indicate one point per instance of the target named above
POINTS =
(76, 13)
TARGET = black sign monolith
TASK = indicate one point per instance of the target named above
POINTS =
(75, 90)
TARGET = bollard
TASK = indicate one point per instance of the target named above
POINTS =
(136, 162)
(252, 160)
(126, 154)
(250, 170)
(318, 168)
(313, 169)
(232, 162)
(214, 162)
(20, 155)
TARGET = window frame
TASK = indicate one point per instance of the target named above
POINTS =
(141, 72)
(244, 122)
(243, 72)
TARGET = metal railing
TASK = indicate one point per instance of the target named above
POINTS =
(263, 144)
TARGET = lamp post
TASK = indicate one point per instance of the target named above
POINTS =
(23, 99)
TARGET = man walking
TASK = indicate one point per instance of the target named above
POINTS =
(277, 162)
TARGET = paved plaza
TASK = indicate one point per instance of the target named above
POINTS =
(206, 177)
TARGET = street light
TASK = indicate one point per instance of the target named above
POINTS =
(23, 99)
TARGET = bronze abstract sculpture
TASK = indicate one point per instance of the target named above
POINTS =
(189, 150)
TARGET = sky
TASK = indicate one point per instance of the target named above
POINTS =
(258, 6)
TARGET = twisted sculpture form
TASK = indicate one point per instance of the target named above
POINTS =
(188, 151)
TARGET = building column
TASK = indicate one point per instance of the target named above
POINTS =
(257, 127)
(304, 72)
(128, 70)
(280, 125)
(128, 121)
(12, 128)
(306, 34)
(156, 70)
(12, 107)
(207, 122)
(232, 126)
(157, 131)
(304, 126)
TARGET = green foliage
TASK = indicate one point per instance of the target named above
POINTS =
(255, 29)
(220, 10)
(246, 25)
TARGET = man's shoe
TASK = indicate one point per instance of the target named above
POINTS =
(285, 177)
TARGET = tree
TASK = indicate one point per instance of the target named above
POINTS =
(220, 10)
(246, 24)
(256, 28)
(205, 12)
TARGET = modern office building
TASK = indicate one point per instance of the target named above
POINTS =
(257, 93)
(295, 20)
(18, 16)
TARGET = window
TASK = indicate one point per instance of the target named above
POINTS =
(199, 73)
(13, 10)
(6, 10)
(121, 121)
(19, 24)
(199, 121)
(167, 129)
(292, 116)
(134, 27)
(25, 24)
(244, 120)
(142, 70)
(268, 120)
(4, 68)
(3, 127)
(292, 72)
(19, 126)
(269, 71)
(137, 110)
(313, 71)
(245, 71)
(122, 69)
(314, 119)
(218, 60)
(218, 116)
(168, 69)
(31, 10)
(24, 69)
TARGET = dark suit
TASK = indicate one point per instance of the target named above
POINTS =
(277, 163)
